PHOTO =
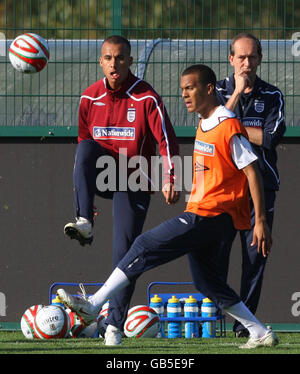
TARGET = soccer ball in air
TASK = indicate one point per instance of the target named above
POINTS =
(29, 53)
(27, 321)
(142, 322)
(52, 322)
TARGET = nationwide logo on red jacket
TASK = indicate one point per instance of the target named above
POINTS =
(116, 133)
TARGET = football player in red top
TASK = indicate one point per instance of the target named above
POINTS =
(121, 120)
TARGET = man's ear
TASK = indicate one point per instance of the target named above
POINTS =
(210, 88)
(230, 58)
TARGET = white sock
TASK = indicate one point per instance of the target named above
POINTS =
(241, 313)
(115, 282)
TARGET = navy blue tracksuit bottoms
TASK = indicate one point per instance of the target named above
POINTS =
(199, 237)
(253, 263)
(129, 210)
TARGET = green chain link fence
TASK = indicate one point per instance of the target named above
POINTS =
(166, 36)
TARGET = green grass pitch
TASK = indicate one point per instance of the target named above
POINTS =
(13, 342)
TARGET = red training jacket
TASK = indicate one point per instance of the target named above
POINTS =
(129, 122)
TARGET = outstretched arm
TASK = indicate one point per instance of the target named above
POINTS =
(261, 232)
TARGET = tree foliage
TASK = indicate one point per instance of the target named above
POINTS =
(147, 19)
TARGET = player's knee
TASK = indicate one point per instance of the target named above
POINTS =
(142, 242)
(87, 151)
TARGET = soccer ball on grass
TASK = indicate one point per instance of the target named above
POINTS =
(142, 322)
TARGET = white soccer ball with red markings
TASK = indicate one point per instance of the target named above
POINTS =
(142, 322)
(29, 53)
(27, 321)
(101, 319)
(104, 311)
(78, 329)
(52, 322)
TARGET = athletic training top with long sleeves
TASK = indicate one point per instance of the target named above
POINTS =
(130, 122)
(263, 108)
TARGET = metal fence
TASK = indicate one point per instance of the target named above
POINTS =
(166, 36)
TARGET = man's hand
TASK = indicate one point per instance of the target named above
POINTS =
(170, 194)
(262, 237)
(241, 81)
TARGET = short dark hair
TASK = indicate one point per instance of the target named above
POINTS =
(245, 35)
(118, 39)
(205, 74)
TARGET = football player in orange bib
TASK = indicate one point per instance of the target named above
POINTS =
(224, 169)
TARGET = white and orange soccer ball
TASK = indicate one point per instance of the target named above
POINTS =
(78, 329)
(29, 53)
(52, 322)
(27, 321)
(142, 322)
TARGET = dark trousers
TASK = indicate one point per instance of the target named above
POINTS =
(199, 237)
(129, 211)
(253, 263)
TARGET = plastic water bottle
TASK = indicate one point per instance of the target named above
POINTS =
(57, 301)
(191, 309)
(208, 309)
(174, 310)
(157, 304)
